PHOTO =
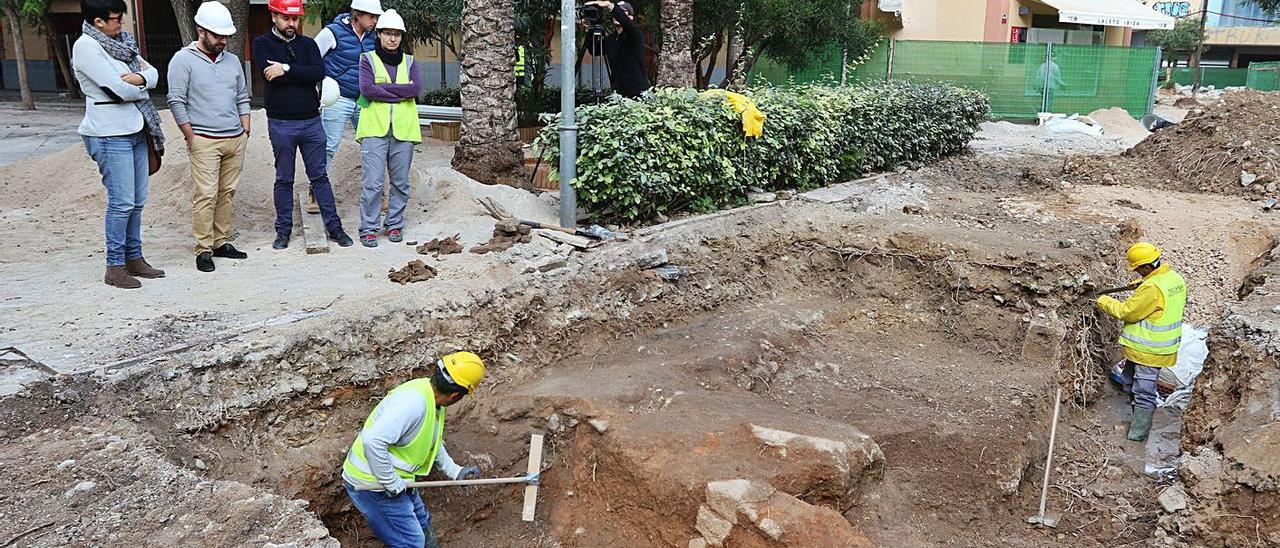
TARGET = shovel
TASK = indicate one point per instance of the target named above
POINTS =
(1048, 520)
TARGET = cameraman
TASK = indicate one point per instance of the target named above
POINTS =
(624, 50)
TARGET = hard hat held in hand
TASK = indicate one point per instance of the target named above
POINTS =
(367, 6)
(1141, 253)
(286, 7)
(465, 368)
(214, 17)
(391, 20)
(329, 92)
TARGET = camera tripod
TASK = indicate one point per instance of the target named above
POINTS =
(599, 61)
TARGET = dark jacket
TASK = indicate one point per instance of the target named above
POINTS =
(342, 63)
(292, 96)
(625, 54)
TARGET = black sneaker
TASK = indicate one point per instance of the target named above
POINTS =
(204, 262)
(282, 241)
(341, 238)
(228, 251)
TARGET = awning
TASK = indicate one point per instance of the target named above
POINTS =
(1111, 13)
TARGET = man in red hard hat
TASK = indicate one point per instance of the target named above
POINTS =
(292, 67)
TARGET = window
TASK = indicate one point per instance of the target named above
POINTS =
(1237, 13)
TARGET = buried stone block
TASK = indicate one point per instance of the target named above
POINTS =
(750, 513)
(826, 471)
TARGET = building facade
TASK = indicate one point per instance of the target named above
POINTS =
(1084, 22)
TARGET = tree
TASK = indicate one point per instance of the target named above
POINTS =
(240, 18)
(185, 13)
(1269, 6)
(675, 58)
(795, 33)
(425, 20)
(36, 12)
(12, 11)
(1179, 41)
(489, 149)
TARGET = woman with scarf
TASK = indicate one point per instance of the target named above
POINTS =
(387, 130)
(118, 126)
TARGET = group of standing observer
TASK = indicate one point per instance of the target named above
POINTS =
(377, 87)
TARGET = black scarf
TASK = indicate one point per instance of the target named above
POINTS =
(389, 58)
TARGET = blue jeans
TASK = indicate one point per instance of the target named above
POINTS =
(287, 138)
(122, 161)
(335, 124)
(379, 157)
(399, 522)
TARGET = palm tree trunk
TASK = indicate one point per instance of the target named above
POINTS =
(489, 149)
(186, 24)
(20, 55)
(675, 60)
(240, 18)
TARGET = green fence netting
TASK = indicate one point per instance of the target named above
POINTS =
(1020, 79)
(1218, 77)
(1264, 76)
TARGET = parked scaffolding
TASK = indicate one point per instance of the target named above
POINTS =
(1021, 79)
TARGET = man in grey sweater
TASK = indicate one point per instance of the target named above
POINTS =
(209, 98)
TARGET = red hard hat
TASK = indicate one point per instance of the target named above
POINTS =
(286, 7)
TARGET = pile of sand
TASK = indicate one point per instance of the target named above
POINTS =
(1231, 147)
(1117, 123)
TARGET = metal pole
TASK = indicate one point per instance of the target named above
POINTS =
(444, 74)
(1048, 71)
(889, 65)
(1155, 76)
(568, 121)
(1195, 58)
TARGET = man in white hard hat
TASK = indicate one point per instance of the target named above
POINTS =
(209, 98)
(341, 43)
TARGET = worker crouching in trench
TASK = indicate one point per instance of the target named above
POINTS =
(402, 439)
(1152, 331)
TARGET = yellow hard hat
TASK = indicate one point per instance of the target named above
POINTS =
(1142, 253)
(465, 369)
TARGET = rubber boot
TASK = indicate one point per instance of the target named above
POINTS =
(139, 267)
(312, 206)
(1140, 425)
(119, 277)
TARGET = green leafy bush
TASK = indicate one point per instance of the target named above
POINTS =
(674, 150)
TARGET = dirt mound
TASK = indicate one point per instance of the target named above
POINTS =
(1118, 123)
(1231, 147)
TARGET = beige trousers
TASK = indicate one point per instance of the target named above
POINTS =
(215, 167)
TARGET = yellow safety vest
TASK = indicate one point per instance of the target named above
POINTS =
(400, 118)
(414, 459)
(520, 62)
(1161, 337)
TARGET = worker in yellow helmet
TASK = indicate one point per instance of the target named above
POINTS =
(402, 439)
(1152, 331)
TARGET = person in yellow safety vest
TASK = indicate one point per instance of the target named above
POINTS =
(1152, 331)
(519, 66)
(402, 438)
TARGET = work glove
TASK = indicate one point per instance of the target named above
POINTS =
(468, 472)
(395, 490)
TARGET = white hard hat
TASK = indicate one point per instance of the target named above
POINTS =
(214, 17)
(391, 20)
(328, 92)
(367, 6)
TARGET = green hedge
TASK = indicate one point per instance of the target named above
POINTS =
(675, 151)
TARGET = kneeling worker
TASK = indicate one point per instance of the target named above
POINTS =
(1152, 332)
(402, 439)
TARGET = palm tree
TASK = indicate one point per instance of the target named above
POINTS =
(488, 149)
(675, 58)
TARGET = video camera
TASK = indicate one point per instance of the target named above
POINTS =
(595, 16)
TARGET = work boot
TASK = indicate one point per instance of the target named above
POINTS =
(312, 206)
(282, 241)
(395, 235)
(204, 262)
(139, 267)
(228, 251)
(1140, 425)
(119, 277)
(369, 240)
(341, 238)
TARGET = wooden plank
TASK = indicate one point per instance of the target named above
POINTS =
(535, 467)
(579, 242)
(313, 234)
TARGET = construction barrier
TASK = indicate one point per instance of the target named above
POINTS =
(1264, 76)
(1218, 77)
(1020, 79)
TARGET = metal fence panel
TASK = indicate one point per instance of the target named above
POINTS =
(1264, 76)
(1020, 79)
(1218, 77)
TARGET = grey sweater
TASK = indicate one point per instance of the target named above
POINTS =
(209, 95)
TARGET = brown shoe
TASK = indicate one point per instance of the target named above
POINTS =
(119, 277)
(139, 267)
(312, 206)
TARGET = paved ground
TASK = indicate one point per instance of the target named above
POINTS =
(29, 134)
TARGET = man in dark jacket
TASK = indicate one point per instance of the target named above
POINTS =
(624, 50)
(291, 65)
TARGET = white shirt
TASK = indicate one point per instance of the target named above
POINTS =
(94, 70)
